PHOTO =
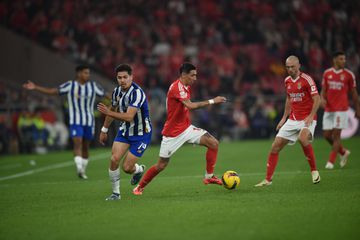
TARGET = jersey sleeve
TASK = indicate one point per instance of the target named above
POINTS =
(115, 97)
(179, 94)
(352, 82)
(311, 85)
(98, 90)
(137, 98)
(65, 88)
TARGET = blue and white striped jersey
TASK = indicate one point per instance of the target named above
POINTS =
(81, 100)
(133, 97)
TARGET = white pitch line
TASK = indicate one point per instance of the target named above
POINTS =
(51, 167)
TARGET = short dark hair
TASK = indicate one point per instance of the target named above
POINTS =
(79, 68)
(124, 68)
(337, 53)
(186, 67)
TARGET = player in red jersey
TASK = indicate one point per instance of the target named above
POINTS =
(336, 84)
(178, 129)
(298, 121)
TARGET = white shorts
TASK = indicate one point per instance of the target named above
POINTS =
(169, 145)
(333, 120)
(291, 130)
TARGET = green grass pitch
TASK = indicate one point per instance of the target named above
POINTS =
(43, 199)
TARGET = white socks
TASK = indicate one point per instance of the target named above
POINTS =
(138, 169)
(209, 175)
(78, 163)
(115, 180)
(81, 164)
(85, 162)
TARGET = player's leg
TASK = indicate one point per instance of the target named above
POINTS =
(77, 133)
(305, 135)
(278, 144)
(77, 149)
(328, 135)
(85, 156)
(341, 119)
(130, 165)
(212, 145)
(169, 145)
(88, 135)
(150, 174)
(117, 153)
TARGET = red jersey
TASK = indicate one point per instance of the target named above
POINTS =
(178, 119)
(300, 92)
(337, 84)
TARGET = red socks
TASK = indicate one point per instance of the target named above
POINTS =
(271, 165)
(309, 153)
(341, 150)
(211, 156)
(332, 157)
(149, 175)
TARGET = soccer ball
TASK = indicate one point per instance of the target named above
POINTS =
(230, 179)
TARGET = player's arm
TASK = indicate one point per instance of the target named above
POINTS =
(105, 128)
(287, 111)
(194, 105)
(32, 86)
(323, 96)
(316, 104)
(127, 116)
(355, 98)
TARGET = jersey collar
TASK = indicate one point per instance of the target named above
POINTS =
(337, 71)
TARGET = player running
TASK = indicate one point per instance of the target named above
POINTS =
(178, 129)
(134, 134)
(337, 82)
(298, 121)
(81, 94)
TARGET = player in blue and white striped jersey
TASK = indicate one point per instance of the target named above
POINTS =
(130, 106)
(81, 94)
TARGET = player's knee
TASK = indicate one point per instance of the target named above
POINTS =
(303, 140)
(214, 143)
(327, 135)
(275, 148)
(128, 168)
(115, 159)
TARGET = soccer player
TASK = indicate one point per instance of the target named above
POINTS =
(337, 82)
(178, 129)
(298, 121)
(81, 94)
(130, 106)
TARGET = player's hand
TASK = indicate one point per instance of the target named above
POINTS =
(280, 124)
(103, 109)
(103, 138)
(308, 120)
(29, 85)
(219, 99)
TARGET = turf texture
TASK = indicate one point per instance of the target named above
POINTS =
(42, 198)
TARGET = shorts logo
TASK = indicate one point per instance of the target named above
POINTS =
(183, 94)
(142, 147)
(74, 132)
(169, 153)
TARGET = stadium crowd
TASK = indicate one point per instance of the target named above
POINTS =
(239, 47)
